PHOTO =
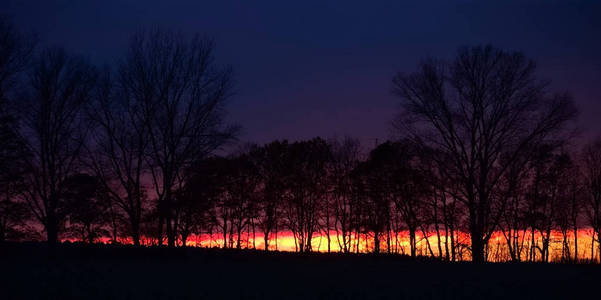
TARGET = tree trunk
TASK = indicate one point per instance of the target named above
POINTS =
(90, 233)
(160, 231)
(575, 244)
(254, 236)
(266, 240)
(376, 242)
(2, 234)
(184, 239)
(135, 233)
(170, 231)
(412, 242)
(51, 232)
(239, 237)
(113, 224)
(477, 247)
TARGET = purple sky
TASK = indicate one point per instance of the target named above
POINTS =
(324, 68)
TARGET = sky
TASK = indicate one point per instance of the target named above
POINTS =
(324, 68)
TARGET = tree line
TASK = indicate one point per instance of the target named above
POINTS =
(128, 152)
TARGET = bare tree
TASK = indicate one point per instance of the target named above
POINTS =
(16, 51)
(86, 206)
(272, 169)
(591, 167)
(243, 190)
(485, 103)
(345, 157)
(306, 163)
(546, 193)
(512, 223)
(54, 130)
(192, 203)
(13, 168)
(183, 93)
(481, 151)
(406, 185)
(373, 197)
(208, 187)
(569, 208)
(119, 144)
(576, 203)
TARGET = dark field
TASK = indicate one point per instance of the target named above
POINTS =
(108, 272)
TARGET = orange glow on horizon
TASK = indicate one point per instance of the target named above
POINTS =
(428, 245)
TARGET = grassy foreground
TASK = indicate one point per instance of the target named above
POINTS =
(125, 272)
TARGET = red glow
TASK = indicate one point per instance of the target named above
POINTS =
(399, 244)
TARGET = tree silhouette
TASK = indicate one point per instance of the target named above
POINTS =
(483, 104)
(192, 204)
(271, 169)
(183, 93)
(54, 131)
(14, 218)
(345, 157)
(306, 163)
(13, 168)
(131, 153)
(206, 193)
(119, 145)
(86, 206)
(16, 50)
(591, 158)
(569, 205)
(374, 200)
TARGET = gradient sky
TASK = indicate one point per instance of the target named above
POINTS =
(308, 68)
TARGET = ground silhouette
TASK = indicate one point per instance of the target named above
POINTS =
(79, 271)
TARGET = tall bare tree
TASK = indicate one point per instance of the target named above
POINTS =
(485, 103)
(569, 209)
(345, 157)
(373, 196)
(271, 166)
(54, 130)
(546, 193)
(591, 167)
(183, 93)
(120, 143)
(16, 50)
(306, 190)
(243, 189)
(512, 224)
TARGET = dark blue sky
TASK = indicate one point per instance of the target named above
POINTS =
(308, 68)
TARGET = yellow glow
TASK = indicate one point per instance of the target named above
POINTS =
(497, 247)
